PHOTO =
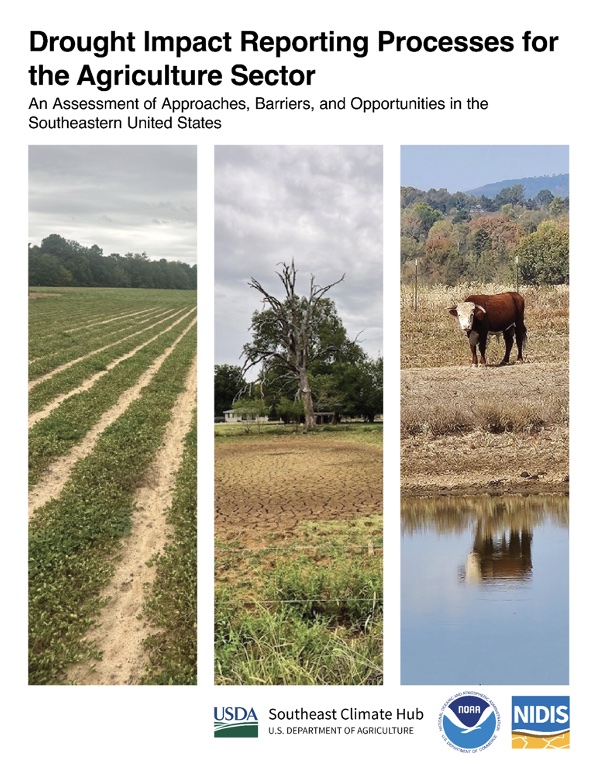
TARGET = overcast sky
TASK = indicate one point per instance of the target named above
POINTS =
(123, 198)
(322, 206)
(464, 167)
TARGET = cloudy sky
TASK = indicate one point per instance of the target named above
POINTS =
(322, 206)
(463, 167)
(123, 198)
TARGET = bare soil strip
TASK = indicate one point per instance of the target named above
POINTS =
(57, 476)
(121, 630)
(111, 320)
(35, 382)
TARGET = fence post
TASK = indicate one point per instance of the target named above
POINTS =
(415, 288)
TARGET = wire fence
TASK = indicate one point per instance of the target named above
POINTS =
(373, 600)
(299, 548)
(370, 548)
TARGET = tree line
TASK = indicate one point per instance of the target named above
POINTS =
(454, 237)
(350, 387)
(62, 262)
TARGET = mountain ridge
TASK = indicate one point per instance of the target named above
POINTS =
(558, 185)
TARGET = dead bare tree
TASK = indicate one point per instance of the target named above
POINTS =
(286, 332)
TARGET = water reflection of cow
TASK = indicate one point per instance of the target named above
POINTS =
(505, 556)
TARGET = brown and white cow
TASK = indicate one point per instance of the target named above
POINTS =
(499, 313)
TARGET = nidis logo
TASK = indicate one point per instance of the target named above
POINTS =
(235, 722)
(469, 721)
(540, 722)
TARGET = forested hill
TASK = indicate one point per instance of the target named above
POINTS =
(63, 262)
(452, 238)
(558, 185)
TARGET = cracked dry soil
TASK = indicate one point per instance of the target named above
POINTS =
(264, 487)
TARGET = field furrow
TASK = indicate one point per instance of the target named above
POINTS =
(52, 484)
(55, 348)
(104, 322)
(122, 629)
(69, 357)
(74, 374)
(86, 384)
(171, 606)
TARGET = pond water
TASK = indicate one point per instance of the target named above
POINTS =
(484, 590)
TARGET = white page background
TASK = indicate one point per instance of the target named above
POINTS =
(533, 99)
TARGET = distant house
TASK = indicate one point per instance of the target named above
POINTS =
(231, 416)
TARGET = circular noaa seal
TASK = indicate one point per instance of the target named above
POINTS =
(469, 722)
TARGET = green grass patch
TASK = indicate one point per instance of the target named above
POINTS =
(370, 433)
(309, 614)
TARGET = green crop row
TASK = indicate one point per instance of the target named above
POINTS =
(171, 605)
(75, 539)
(53, 436)
(71, 377)
(66, 344)
(84, 344)
(80, 304)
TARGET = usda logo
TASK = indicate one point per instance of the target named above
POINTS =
(235, 722)
(469, 722)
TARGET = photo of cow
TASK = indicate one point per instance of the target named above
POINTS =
(500, 313)
(484, 431)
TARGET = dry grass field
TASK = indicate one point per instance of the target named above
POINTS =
(467, 430)
(430, 337)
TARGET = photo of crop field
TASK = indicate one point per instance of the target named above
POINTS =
(112, 395)
(298, 416)
(111, 432)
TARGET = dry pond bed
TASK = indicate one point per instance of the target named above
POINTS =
(265, 486)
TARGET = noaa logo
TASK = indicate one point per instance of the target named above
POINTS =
(469, 722)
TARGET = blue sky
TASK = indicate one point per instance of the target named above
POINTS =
(463, 167)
